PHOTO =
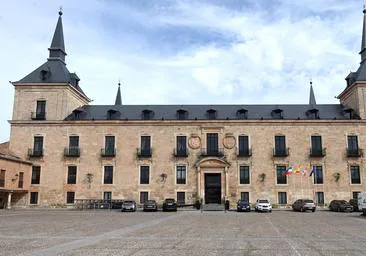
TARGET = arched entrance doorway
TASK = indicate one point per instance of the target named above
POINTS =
(212, 180)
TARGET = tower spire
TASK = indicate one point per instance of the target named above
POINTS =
(118, 97)
(363, 41)
(312, 101)
(57, 48)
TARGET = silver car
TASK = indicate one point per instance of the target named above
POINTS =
(129, 205)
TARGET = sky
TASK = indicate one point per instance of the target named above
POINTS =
(187, 52)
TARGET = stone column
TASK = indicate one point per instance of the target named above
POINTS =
(9, 201)
(199, 182)
(226, 183)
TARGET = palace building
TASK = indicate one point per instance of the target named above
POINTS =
(211, 153)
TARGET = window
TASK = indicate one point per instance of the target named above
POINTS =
(147, 114)
(319, 197)
(21, 180)
(38, 146)
(244, 146)
(211, 114)
(212, 143)
(313, 113)
(73, 149)
(281, 174)
(41, 110)
(33, 197)
(244, 175)
(280, 146)
(181, 175)
(70, 197)
(242, 114)
(2, 178)
(277, 113)
(36, 174)
(71, 175)
(144, 196)
(282, 198)
(144, 174)
(355, 174)
(181, 197)
(107, 196)
(181, 146)
(109, 145)
(182, 114)
(355, 194)
(318, 174)
(316, 145)
(146, 145)
(244, 196)
(108, 174)
(352, 143)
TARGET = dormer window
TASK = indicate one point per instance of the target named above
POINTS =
(45, 74)
(182, 114)
(211, 114)
(242, 114)
(350, 112)
(112, 114)
(147, 114)
(277, 113)
(313, 113)
(77, 113)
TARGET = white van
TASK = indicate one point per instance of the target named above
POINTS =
(361, 198)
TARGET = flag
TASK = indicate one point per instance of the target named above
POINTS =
(296, 170)
(303, 172)
(288, 171)
(312, 171)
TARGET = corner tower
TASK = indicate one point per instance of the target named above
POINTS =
(50, 92)
(354, 95)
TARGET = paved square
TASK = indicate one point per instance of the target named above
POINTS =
(103, 232)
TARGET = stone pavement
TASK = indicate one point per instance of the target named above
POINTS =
(103, 232)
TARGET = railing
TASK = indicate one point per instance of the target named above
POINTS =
(108, 152)
(219, 152)
(84, 204)
(318, 152)
(245, 153)
(38, 116)
(144, 152)
(281, 152)
(181, 152)
(72, 152)
(35, 152)
(354, 152)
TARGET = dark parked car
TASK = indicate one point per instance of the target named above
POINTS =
(150, 205)
(340, 206)
(243, 205)
(304, 205)
(128, 205)
(169, 205)
(354, 203)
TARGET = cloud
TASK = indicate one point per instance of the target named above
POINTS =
(188, 52)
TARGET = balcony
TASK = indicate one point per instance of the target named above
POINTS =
(108, 152)
(144, 152)
(218, 152)
(35, 152)
(247, 152)
(282, 152)
(38, 116)
(318, 152)
(351, 152)
(181, 152)
(72, 152)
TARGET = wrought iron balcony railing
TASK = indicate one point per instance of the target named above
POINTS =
(219, 152)
(72, 152)
(245, 152)
(181, 152)
(144, 152)
(35, 152)
(38, 116)
(318, 152)
(282, 152)
(108, 152)
(354, 152)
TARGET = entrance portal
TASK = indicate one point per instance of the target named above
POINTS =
(212, 188)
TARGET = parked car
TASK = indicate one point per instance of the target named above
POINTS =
(263, 205)
(243, 205)
(354, 203)
(128, 205)
(150, 205)
(340, 206)
(303, 205)
(169, 205)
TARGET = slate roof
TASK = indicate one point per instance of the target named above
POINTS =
(6, 154)
(199, 112)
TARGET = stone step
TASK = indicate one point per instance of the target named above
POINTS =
(213, 207)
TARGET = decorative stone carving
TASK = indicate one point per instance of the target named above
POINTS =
(194, 142)
(229, 141)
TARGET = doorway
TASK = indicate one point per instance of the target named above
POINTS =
(212, 188)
